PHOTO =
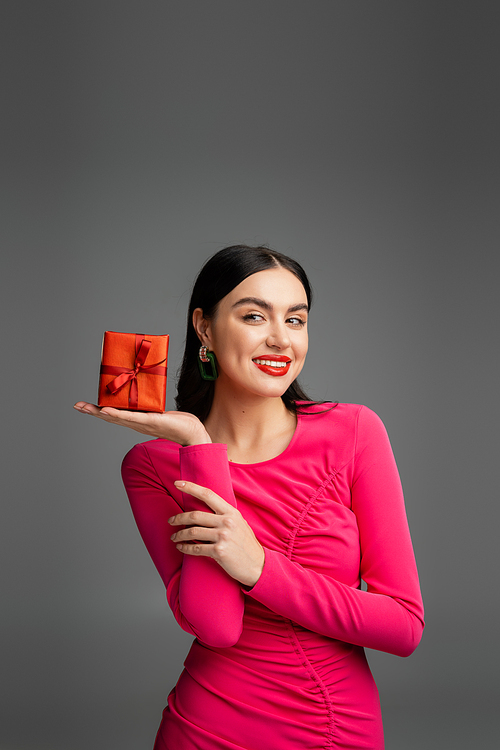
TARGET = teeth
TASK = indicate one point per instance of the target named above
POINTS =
(270, 362)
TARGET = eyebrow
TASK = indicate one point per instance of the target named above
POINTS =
(267, 305)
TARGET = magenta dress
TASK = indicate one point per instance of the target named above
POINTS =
(282, 665)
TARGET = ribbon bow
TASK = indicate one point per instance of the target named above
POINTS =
(127, 375)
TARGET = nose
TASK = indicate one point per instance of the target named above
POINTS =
(278, 337)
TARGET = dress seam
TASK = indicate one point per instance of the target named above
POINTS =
(299, 649)
(295, 528)
(313, 675)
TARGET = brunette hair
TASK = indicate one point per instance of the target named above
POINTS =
(219, 276)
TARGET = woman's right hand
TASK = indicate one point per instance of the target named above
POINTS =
(178, 426)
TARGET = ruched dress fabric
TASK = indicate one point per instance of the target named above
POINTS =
(282, 665)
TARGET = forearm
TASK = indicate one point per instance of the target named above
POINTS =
(321, 604)
(389, 615)
(206, 590)
(203, 599)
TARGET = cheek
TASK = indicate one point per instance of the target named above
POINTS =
(303, 347)
(239, 344)
(233, 352)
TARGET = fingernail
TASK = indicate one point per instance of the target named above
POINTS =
(103, 414)
(170, 519)
(179, 483)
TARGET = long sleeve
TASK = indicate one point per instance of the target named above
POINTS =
(204, 585)
(205, 601)
(389, 615)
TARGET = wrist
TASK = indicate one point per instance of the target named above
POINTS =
(252, 579)
(200, 438)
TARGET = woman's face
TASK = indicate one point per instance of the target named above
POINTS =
(259, 333)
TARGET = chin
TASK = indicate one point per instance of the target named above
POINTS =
(274, 390)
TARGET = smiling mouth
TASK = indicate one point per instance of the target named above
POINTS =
(275, 367)
(271, 362)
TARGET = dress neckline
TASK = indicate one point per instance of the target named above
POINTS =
(288, 448)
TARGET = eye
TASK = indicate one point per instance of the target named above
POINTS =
(253, 317)
(296, 322)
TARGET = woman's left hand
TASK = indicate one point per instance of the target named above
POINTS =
(223, 535)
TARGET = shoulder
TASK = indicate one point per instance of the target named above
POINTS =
(344, 428)
(157, 457)
(336, 413)
(331, 414)
(152, 448)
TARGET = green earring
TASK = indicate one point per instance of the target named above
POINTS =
(209, 372)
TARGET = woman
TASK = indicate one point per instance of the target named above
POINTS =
(262, 512)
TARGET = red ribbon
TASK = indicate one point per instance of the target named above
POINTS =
(127, 375)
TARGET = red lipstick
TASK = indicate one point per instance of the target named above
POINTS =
(265, 364)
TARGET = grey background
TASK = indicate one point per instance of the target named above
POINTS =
(138, 139)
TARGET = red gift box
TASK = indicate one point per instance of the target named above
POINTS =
(133, 371)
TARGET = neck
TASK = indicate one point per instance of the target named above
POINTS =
(254, 428)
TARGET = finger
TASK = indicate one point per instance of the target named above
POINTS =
(195, 518)
(196, 549)
(139, 421)
(79, 405)
(110, 413)
(122, 416)
(86, 408)
(194, 534)
(214, 501)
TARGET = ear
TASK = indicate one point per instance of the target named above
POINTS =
(202, 327)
